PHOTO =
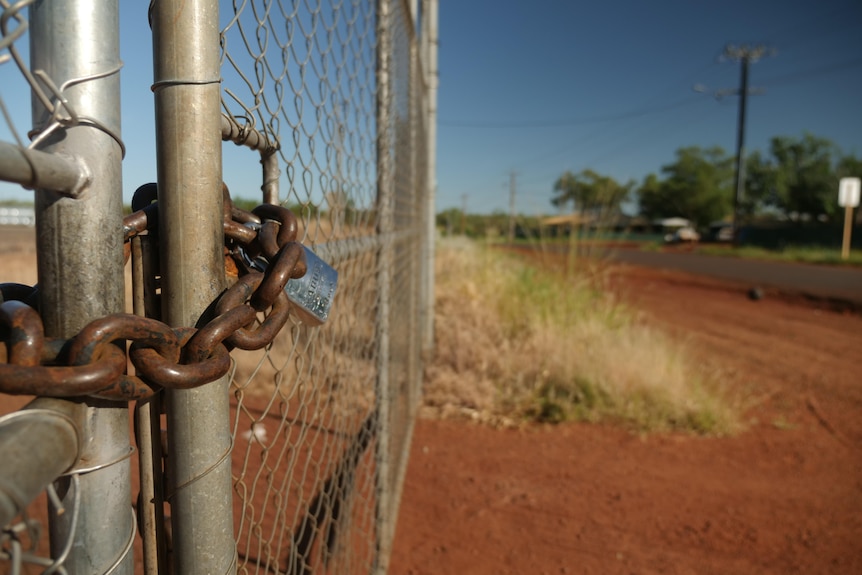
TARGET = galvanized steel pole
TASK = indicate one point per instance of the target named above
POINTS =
(80, 265)
(429, 15)
(188, 133)
(385, 227)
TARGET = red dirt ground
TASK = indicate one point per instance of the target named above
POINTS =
(784, 496)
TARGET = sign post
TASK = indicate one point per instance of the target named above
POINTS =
(848, 197)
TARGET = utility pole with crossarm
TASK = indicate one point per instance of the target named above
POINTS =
(746, 55)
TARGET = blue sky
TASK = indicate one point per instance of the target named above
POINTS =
(556, 65)
(546, 86)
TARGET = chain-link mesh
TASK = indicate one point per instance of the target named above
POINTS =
(322, 416)
(13, 27)
(308, 460)
(52, 108)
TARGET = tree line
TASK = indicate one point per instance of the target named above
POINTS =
(796, 179)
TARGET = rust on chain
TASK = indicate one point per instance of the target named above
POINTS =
(237, 295)
(119, 326)
(226, 203)
(106, 331)
(268, 238)
(287, 229)
(202, 344)
(25, 335)
(51, 348)
(141, 220)
(239, 233)
(234, 219)
(243, 216)
(180, 376)
(126, 388)
(94, 362)
(288, 263)
(33, 366)
(64, 380)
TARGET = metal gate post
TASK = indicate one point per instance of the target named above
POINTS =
(80, 265)
(188, 135)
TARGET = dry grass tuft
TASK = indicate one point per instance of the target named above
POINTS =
(515, 343)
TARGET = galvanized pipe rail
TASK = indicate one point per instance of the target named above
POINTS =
(231, 131)
(43, 440)
(39, 170)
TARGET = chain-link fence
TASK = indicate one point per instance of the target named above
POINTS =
(292, 462)
(324, 413)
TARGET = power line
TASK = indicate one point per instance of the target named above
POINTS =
(633, 143)
(624, 146)
(800, 34)
(569, 122)
(589, 137)
(643, 111)
(814, 72)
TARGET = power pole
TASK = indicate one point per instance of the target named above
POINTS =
(746, 55)
(512, 177)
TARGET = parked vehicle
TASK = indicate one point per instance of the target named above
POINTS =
(685, 234)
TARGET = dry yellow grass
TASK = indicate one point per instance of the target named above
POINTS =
(514, 343)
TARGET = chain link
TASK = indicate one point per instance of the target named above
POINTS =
(93, 362)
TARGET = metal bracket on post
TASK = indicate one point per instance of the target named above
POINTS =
(231, 131)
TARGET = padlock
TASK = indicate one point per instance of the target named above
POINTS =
(312, 294)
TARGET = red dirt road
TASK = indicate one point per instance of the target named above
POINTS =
(784, 496)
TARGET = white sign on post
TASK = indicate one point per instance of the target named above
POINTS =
(848, 192)
(848, 198)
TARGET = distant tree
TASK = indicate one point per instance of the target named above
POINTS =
(760, 191)
(451, 220)
(697, 186)
(799, 176)
(651, 199)
(590, 193)
(849, 167)
(803, 177)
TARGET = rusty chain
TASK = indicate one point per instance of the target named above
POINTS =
(94, 362)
